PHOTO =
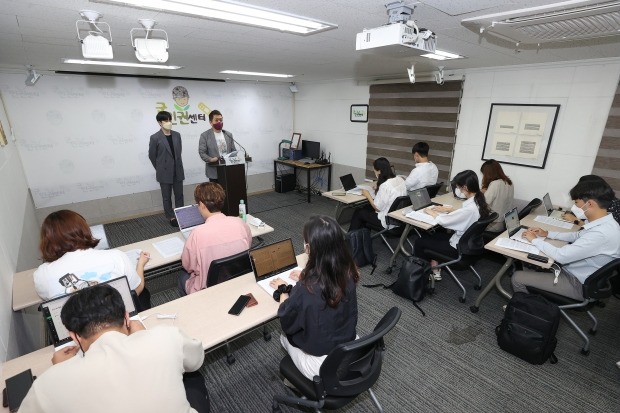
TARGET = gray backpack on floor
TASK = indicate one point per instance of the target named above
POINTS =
(360, 245)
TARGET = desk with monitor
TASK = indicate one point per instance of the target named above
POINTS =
(308, 167)
(202, 315)
(24, 294)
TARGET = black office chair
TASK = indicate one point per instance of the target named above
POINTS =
(534, 203)
(469, 248)
(395, 227)
(349, 370)
(227, 268)
(596, 287)
(433, 189)
(142, 302)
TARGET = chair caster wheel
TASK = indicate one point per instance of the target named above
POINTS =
(600, 304)
(477, 287)
(430, 291)
(230, 359)
(275, 408)
(461, 299)
(585, 352)
(388, 270)
(592, 332)
(267, 336)
(474, 309)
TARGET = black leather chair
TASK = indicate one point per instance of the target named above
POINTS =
(227, 268)
(433, 189)
(534, 203)
(395, 227)
(349, 370)
(469, 248)
(596, 287)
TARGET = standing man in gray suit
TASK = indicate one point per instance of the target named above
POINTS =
(165, 149)
(214, 143)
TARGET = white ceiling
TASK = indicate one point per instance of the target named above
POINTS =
(41, 32)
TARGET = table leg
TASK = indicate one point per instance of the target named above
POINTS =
(275, 173)
(308, 183)
(495, 282)
(401, 245)
(329, 178)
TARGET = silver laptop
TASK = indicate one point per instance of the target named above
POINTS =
(420, 199)
(514, 227)
(51, 311)
(551, 212)
(271, 261)
(188, 218)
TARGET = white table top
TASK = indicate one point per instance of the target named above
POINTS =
(24, 294)
(448, 199)
(346, 198)
(202, 315)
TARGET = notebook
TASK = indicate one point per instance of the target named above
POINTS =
(51, 312)
(350, 187)
(420, 199)
(188, 218)
(551, 212)
(514, 227)
(273, 260)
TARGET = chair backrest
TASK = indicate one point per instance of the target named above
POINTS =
(399, 203)
(534, 203)
(433, 189)
(352, 368)
(597, 285)
(227, 268)
(472, 242)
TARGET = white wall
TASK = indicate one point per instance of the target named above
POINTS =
(584, 91)
(18, 240)
(322, 113)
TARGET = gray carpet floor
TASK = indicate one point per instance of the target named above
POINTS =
(448, 361)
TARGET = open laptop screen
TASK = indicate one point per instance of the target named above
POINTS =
(273, 259)
(512, 221)
(419, 199)
(547, 203)
(348, 182)
(51, 310)
(188, 216)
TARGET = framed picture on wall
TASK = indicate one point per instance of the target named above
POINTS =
(520, 134)
(359, 113)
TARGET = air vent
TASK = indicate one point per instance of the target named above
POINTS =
(570, 20)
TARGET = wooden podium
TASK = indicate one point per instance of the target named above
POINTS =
(232, 179)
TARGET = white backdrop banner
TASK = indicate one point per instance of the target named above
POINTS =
(86, 137)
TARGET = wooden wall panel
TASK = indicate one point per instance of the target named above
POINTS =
(607, 163)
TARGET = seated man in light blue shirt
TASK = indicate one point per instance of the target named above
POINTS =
(588, 250)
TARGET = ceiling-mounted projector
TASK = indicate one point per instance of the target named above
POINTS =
(400, 37)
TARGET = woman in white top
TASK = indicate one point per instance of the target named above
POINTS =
(498, 192)
(458, 220)
(389, 187)
(70, 261)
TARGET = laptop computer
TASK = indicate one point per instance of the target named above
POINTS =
(351, 187)
(273, 260)
(51, 312)
(420, 199)
(514, 227)
(188, 217)
(551, 212)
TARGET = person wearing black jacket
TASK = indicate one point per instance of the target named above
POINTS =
(320, 311)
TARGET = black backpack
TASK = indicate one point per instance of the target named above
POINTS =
(360, 244)
(528, 328)
(412, 282)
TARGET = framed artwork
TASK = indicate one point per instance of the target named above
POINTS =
(295, 141)
(359, 113)
(3, 141)
(520, 134)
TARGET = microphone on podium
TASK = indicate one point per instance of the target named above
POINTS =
(248, 158)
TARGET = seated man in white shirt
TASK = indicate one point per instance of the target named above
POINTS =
(589, 249)
(121, 366)
(425, 172)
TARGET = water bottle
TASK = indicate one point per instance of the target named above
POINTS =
(242, 211)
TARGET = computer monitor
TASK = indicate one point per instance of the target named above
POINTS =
(311, 149)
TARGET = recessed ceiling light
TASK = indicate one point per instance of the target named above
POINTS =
(110, 63)
(441, 55)
(240, 72)
(231, 12)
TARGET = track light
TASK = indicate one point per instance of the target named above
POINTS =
(32, 77)
(293, 87)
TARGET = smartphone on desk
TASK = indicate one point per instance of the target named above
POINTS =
(239, 305)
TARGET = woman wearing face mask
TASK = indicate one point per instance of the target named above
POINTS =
(320, 311)
(474, 208)
(389, 187)
(215, 143)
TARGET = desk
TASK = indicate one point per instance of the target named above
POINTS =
(202, 315)
(448, 199)
(24, 294)
(511, 255)
(307, 167)
(344, 201)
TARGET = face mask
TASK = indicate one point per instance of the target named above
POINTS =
(578, 212)
(459, 193)
(218, 125)
(166, 125)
